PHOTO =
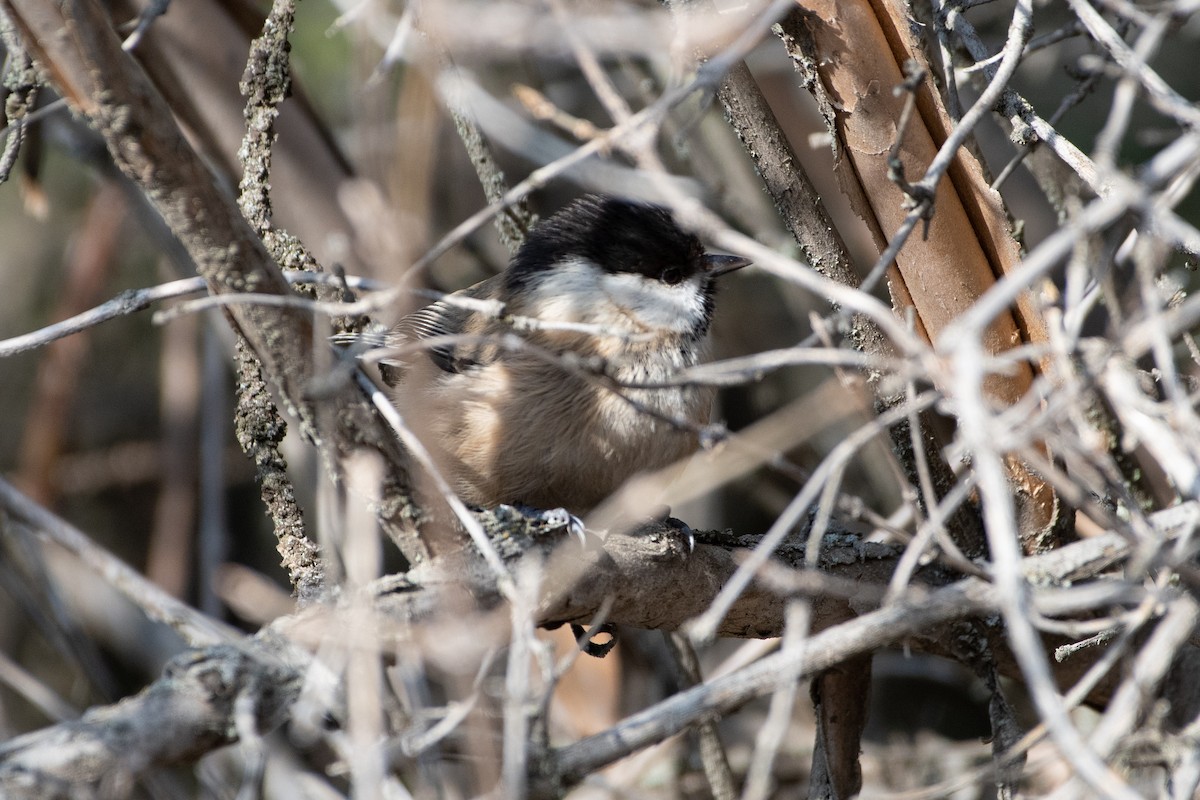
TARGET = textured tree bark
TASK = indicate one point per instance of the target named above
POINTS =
(194, 707)
(853, 53)
(75, 43)
(840, 697)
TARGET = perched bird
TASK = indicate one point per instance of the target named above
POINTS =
(606, 282)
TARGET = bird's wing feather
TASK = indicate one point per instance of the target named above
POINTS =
(434, 321)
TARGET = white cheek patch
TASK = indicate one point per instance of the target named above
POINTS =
(579, 291)
(656, 305)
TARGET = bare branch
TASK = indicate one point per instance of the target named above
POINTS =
(158, 605)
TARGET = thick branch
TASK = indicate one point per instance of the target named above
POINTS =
(652, 582)
(190, 711)
(889, 625)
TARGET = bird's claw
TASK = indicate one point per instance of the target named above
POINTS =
(561, 518)
(684, 530)
(690, 538)
(587, 638)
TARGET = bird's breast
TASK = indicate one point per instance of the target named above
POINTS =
(527, 428)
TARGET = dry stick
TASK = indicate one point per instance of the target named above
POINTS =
(518, 699)
(134, 300)
(170, 706)
(789, 186)
(648, 118)
(1056, 567)
(796, 199)
(260, 427)
(1120, 113)
(922, 192)
(1014, 45)
(21, 83)
(805, 215)
(76, 42)
(265, 84)
(824, 513)
(814, 282)
(1153, 424)
(967, 350)
(1095, 673)
(696, 216)
(582, 368)
(771, 735)
(712, 752)
(705, 626)
(47, 110)
(1160, 94)
(141, 26)
(934, 529)
(1087, 473)
(27, 578)
(1154, 658)
(949, 79)
(103, 82)
(1020, 110)
(751, 369)
(1070, 30)
(978, 436)
(1149, 253)
(506, 584)
(553, 674)
(1125, 193)
(193, 626)
(589, 64)
(260, 431)
(363, 679)
(724, 695)
(1076, 97)
(764, 257)
(1124, 712)
(804, 202)
(35, 691)
(515, 220)
(186, 713)
(635, 126)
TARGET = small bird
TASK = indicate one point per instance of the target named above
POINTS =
(605, 281)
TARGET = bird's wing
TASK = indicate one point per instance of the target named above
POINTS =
(437, 320)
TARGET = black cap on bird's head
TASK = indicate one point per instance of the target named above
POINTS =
(619, 235)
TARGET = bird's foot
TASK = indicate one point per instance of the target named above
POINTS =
(663, 515)
(586, 637)
(558, 518)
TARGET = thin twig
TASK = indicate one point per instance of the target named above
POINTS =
(158, 605)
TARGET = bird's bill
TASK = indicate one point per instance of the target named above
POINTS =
(716, 265)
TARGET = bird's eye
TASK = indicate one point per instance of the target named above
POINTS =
(672, 275)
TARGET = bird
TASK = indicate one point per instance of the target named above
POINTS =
(525, 387)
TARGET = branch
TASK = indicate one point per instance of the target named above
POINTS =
(193, 626)
(188, 712)
(636, 576)
(76, 44)
(914, 616)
